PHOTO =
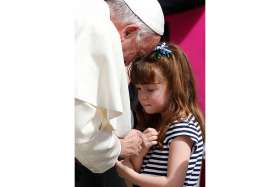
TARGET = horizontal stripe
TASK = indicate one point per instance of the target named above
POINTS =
(160, 157)
(192, 172)
(172, 136)
(154, 161)
(155, 169)
(156, 166)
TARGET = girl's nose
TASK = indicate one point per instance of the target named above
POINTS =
(144, 97)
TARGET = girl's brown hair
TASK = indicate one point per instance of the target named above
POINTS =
(177, 71)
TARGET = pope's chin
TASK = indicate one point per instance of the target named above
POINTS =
(127, 59)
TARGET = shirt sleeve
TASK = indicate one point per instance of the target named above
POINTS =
(96, 145)
(182, 129)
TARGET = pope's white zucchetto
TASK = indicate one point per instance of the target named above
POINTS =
(150, 12)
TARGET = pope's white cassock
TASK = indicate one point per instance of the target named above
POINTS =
(102, 108)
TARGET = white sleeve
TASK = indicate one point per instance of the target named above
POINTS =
(96, 148)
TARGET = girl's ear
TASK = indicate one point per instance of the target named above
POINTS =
(128, 31)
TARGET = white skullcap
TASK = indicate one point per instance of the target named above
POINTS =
(150, 12)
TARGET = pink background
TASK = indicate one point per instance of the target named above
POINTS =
(187, 29)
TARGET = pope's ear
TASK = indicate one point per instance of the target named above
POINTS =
(129, 31)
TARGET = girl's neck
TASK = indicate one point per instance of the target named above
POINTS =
(163, 114)
(166, 113)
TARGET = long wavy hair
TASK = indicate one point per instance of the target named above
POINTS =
(183, 101)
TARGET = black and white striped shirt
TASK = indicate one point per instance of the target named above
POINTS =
(156, 161)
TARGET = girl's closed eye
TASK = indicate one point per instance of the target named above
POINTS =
(151, 90)
(151, 87)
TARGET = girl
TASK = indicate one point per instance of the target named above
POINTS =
(167, 103)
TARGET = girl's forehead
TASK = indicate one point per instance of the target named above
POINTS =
(155, 81)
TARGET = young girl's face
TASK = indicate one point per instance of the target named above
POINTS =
(153, 97)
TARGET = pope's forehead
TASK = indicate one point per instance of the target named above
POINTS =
(148, 44)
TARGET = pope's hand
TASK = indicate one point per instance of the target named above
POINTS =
(131, 144)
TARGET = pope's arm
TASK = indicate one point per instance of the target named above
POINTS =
(97, 148)
(102, 107)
